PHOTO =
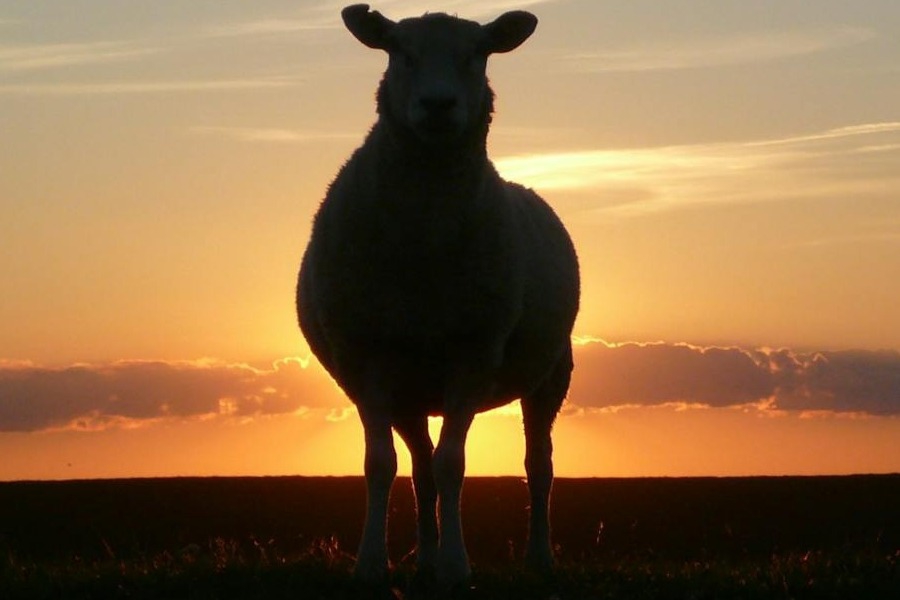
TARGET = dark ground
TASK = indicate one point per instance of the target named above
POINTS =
(784, 537)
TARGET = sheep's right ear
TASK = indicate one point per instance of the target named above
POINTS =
(370, 28)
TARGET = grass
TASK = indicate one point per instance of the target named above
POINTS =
(229, 569)
(273, 538)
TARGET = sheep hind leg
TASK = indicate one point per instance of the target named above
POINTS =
(539, 411)
(380, 470)
(414, 432)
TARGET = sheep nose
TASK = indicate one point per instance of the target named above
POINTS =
(438, 103)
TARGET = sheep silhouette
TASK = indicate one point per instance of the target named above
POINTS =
(431, 286)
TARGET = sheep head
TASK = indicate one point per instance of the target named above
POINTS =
(435, 85)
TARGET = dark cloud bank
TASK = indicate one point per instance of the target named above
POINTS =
(94, 396)
(606, 375)
(852, 381)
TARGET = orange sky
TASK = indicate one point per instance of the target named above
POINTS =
(729, 172)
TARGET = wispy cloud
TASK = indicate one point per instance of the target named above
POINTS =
(309, 20)
(146, 87)
(324, 17)
(30, 57)
(870, 237)
(273, 135)
(270, 26)
(670, 177)
(718, 51)
(467, 9)
(849, 131)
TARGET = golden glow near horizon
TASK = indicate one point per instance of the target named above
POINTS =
(729, 173)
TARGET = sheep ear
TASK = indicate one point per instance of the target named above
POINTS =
(508, 31)
(370, 28)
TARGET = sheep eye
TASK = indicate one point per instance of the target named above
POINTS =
(406, 59)
(471, 62)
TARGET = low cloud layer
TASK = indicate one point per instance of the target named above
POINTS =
(131, 393)
(609, 375)
(652, 374)
(95, 396)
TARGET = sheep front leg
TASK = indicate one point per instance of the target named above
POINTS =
(414, 431)
(449, 464)
(380, 470)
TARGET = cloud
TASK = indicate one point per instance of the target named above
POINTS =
(856, 381)
(30, 57)
(735, 49)
(147, 87)
(131, 392)
(323, 17)
(607, 376)
(632, 374)
(270, 26)
(841, 162)
(838, 133)
(650, 374)
(868, 237)
(466, 9)
(273, 135)
(314, 19)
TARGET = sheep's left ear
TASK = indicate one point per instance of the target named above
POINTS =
(508, 31)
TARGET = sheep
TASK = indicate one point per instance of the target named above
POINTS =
(432, 287)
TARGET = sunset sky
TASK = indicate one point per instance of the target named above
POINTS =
(729, 172)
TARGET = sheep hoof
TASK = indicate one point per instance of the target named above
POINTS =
(539, 560)
(453, 573)
(371, 572)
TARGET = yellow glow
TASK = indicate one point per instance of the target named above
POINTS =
(628, 443)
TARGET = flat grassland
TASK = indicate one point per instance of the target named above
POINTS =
(294, 537)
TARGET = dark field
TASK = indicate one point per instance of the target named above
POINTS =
(293, 537)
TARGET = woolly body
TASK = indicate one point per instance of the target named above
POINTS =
(431, 286)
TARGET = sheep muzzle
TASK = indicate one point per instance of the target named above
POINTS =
(437, 116)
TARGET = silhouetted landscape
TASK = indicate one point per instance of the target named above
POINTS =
(758, 537)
